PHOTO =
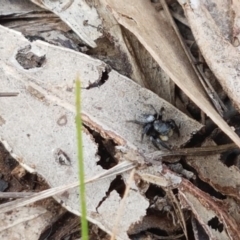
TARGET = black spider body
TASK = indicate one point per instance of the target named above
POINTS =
(157, 129)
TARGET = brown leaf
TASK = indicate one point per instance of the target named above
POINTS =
(158, 38)
(206, 209)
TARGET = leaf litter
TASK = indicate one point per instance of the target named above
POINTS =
(110, 100)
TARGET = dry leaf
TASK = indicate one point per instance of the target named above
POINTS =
(24, 223)
(207, 209)
(211, 170)
(44, 142)
(215, 27)
(42, 117)
(167, 52)
(74, 13)
(8, 8)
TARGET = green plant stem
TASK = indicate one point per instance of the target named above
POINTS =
(84, 223)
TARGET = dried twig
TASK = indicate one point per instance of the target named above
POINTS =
(178, 211)
(199, 151)
(11, 94)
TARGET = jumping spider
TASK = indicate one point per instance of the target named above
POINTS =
(157, 129)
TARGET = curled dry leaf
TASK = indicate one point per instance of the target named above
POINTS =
(167, 52)
(207, 209)
(42, 116)
(222, 178)
(215, 27)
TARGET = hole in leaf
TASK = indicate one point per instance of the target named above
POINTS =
(28, 59)
(118, 185)
(231, 158)
(106, 150)
(209, 189)
(215, 224)
(153, 191)
(204, 186)
(102, 80)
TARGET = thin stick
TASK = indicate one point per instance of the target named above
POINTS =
(5, 94)
(211, 92)
(16, 194)
(9, 206)
(199, 151)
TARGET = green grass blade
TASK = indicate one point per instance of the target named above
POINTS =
(84, 223)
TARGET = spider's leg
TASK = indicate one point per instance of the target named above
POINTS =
(175, 127)
(156, 112)
(157, 141)
(176, 130)
(163, 144)
(154, 142)
(146, 119)
(161, 110)
(136, 121)
(146, 127)
(160, 113)
(145, 131)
